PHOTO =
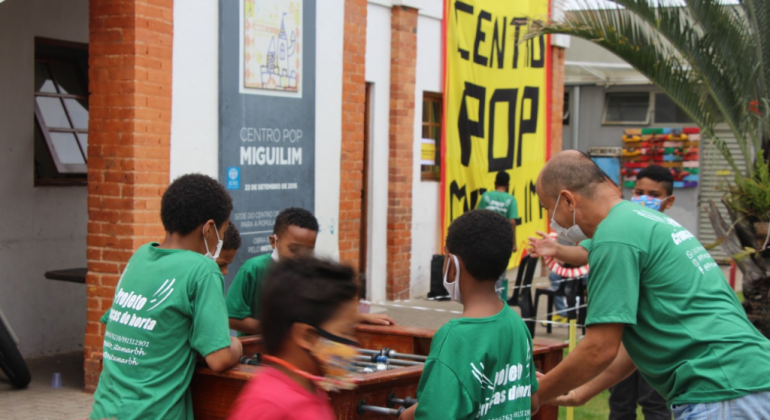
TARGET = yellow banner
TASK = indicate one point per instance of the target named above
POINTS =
(496, 102)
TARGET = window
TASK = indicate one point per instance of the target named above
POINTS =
(431, 137)
(627, 108)
(61, 112)
(565, 117)
(666, 111)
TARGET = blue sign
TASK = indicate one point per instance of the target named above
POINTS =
(233, 178)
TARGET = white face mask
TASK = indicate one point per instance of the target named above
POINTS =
(453, 288)
(274, 255)
(573, 234)
(219, 245)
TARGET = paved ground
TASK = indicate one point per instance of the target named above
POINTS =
(40, 402)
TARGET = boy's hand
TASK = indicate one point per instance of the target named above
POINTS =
(569, 399)
(408, 414)
(376, 319)
(545, 246)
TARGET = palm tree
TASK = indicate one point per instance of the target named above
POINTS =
(713, 60)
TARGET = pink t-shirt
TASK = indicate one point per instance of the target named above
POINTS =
(274, 396)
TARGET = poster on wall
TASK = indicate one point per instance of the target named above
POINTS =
(266, 114)
(496, 104)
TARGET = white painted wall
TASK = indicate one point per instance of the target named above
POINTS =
(42, 228)
(425, 196)
(195, 89)
(378, 73)
(195, 103)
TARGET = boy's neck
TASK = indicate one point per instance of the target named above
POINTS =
(301, 363)
(189, 242)
(481, 301)
(501, 189)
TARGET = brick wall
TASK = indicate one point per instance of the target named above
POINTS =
(403, 54)
(129, 145)
(557, 98)
(353, 114)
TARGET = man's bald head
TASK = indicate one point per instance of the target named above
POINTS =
(570, 170)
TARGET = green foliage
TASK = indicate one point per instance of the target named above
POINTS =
(713, 60)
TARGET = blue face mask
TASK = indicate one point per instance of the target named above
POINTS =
(649, 202)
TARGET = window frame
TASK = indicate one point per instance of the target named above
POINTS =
(74, 173)
(433, 97)
(650, 109)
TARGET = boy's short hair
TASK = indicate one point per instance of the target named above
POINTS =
(483, 239)
(303, 289)
(191, 200)
(658, 174)
(295, 216)
(232, 239)
(503, 179)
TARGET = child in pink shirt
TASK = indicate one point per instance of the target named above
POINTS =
(309, 314)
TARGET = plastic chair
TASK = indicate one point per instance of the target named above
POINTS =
(522, 295)
(570, 293)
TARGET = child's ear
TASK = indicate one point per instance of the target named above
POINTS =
(303, 335)
(669, 203)
(272, 241)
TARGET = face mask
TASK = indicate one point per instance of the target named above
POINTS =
(453, 288)
(274, 255)
(219, 245)
(573, 234)
(649, 202)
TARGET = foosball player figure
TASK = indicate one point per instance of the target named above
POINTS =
(480, 365)
(169, 306)
(310, 310)
(230, 246)
(294, 234)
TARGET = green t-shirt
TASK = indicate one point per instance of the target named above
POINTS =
(169, 306)
(479, 368)
(500, 202)
(685, 329)
(243, 295)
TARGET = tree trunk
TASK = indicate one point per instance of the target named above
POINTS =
(735, 239)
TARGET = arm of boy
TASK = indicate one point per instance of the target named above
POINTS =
(226, 357)
(513, 214)
(546, 246)
(376, 319)
(246, 325)
(408, 414)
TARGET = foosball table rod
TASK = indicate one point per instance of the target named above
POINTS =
(363, 408)
(393, 354)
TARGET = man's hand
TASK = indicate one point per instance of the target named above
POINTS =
(376, 319)
(569, 399)
(545, 246)
(408, 414)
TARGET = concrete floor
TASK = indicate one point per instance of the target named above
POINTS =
(40, 402)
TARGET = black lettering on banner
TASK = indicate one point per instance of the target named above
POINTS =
(517, 23)
(458, 193)
(530, 198)
(539, 63)
(528, 126)
(467, 127)
(480, 37)
(498, 45)
(503, 163)
(465, 8)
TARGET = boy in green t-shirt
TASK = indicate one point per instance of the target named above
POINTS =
(230, 245)
(500, 201)
(294, 234)
(169, 306)
(480, 365)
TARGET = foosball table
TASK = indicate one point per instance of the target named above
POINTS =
(390, 363)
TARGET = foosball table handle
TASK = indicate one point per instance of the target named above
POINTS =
(406, 402)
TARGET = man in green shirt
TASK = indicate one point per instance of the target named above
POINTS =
(480, 365)
(657, 302)
(500, 201)
(169, 306)
(294, 234)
